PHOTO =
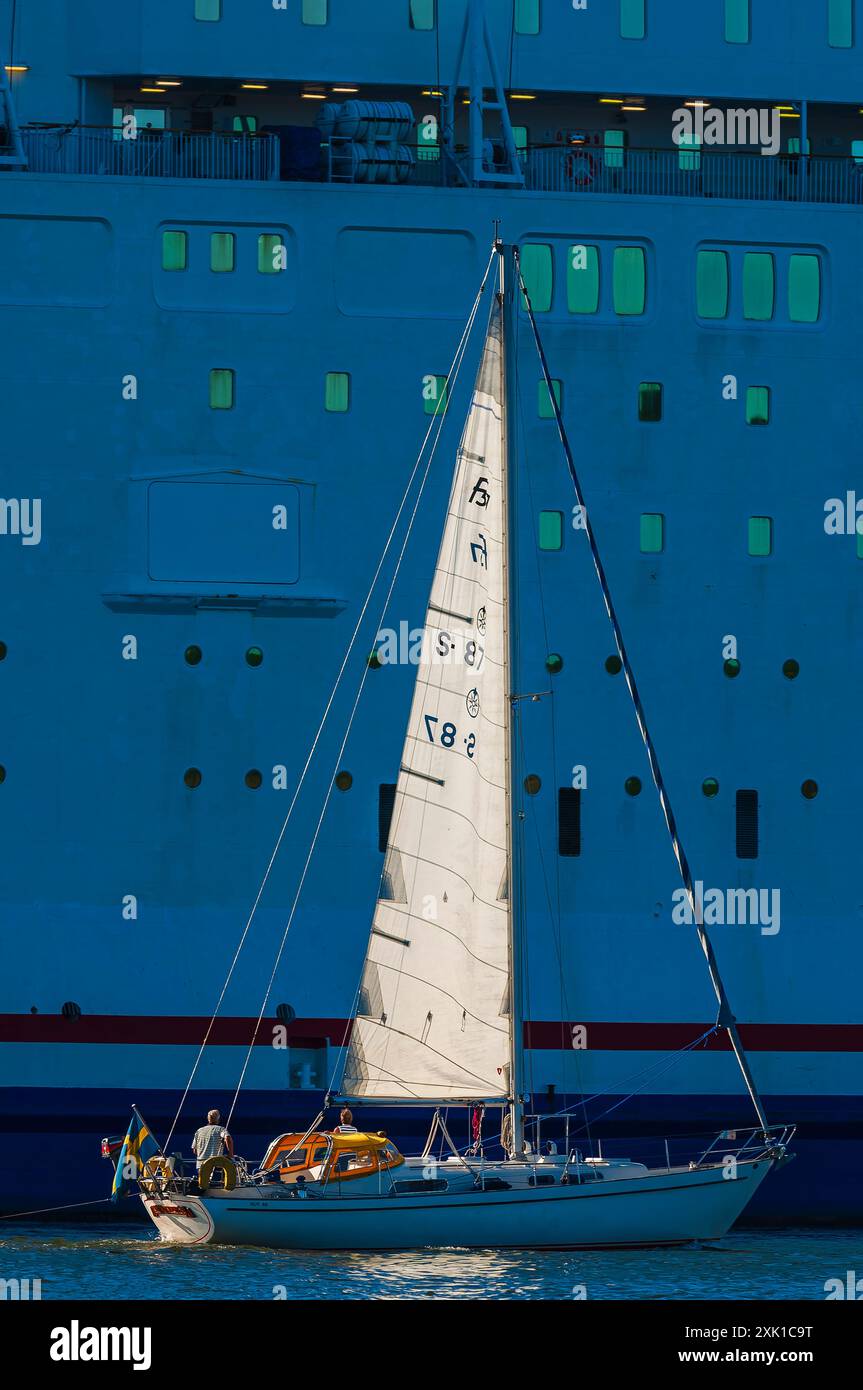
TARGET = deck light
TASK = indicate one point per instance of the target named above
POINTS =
(313, 96)
(255, 86)
(696, 103)
(633, 108)
(168, 82)
(160, 90)
(522, 96)
(611, 101)
(17, 67)
(346, 89)
(431, 92)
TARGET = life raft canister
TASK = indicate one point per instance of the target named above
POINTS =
(209, 1167)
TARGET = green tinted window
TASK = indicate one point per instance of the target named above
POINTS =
(760, 535)
(632, 19)
(629, 280)
(208, 9)
(860, 545)
(857, 151)
(434, 395)
(582, 279)
(840, 23)
(551, 530)
(652, 537)
(337, 391)
(736, 21)
(758, 405)
(689, 153)
(614, 143)
(175, 250)
(428, 143)
(271, 253)
(804, 288)
(422, 14)
(546, 409)
(537, 272)
(314, 11)
(221, 388)
(650, 401)
(222, 251)
(519, 135)
(245, 124)
(711, 284)
(758, 285)
(527, 16)
(794, 144)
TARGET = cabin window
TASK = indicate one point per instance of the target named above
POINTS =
(689, 153)
(804, 288)
(245, 125)
(434, 395)
(315, 11)
(386, 802)
(747, 825)
(546, 406)
(613, 146)
(629, 280)
(760, 535)
(650, 401)
(569, 822)
(175, 250)
(221, 388)
(208, 9)
(758, 405)
(519, 135)
(428, 140)
(337, 392)
(632, 19)
(582, 279)
(422, 14)
(758, 285)
(840, 23)
(652, 538)
(271, 253)
(794, 144)
(551, 530)
(537, 272)
(527, 16)
(222, 245)
(711, 284)
(857, 151)
(737, 21)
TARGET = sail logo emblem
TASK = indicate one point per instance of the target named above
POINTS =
(480, 495)
(480, 622)
(472, 702)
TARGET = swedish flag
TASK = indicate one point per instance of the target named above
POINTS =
(138, 1146)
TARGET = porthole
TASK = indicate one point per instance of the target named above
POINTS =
(71, 1010)
(710, 786)
(253, 779)
(193, 655)
(3, 650)
(2, 773)
(344, 781)
(731, 667)
(554, 663)
(192, 777)
(791, 669)
(254, 656)
(632, 786)
(613, 665)
(374, 662)
(532, 784)
(285, 1014)
(809, 789)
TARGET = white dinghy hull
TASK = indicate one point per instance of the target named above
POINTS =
(664, 1208)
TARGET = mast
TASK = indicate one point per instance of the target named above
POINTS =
(506, 296)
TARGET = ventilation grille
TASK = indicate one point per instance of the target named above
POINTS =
(569, 821)
(386, 801)
(747, 825)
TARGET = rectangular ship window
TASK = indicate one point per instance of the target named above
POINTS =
(652, 538)
(551, 530)
(222, 251)
(632, 19)
(519, 135)
(422, 14)
(582, 279)
(537, 272)
(428, 141)
(689, 154)
(711, 284)
(337, 391)
(758, 285)
(208, 9)
(613, 146)
(221, 388)
(386, 802)
(650, 401)
(736, 21)
(315, 11)
(271, 253)
(758, 405)
(175, 250)
(546, 409)
(569, 822)
(527, 16)
(804, 288)
(760, 535)
(840, 23)
(629, 280)
(747, 825)
(434, 395)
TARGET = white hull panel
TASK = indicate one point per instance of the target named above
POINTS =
(659, 1209)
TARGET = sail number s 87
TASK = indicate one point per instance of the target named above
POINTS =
(447, 735)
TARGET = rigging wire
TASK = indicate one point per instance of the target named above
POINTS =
(435, 420)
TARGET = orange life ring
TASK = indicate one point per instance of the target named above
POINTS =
(584, 160)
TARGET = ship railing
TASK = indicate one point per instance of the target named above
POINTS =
(567, 1136)
(165, 154)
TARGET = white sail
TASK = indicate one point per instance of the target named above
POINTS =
(433, 1021)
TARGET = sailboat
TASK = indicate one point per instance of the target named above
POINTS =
(438, 1020)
